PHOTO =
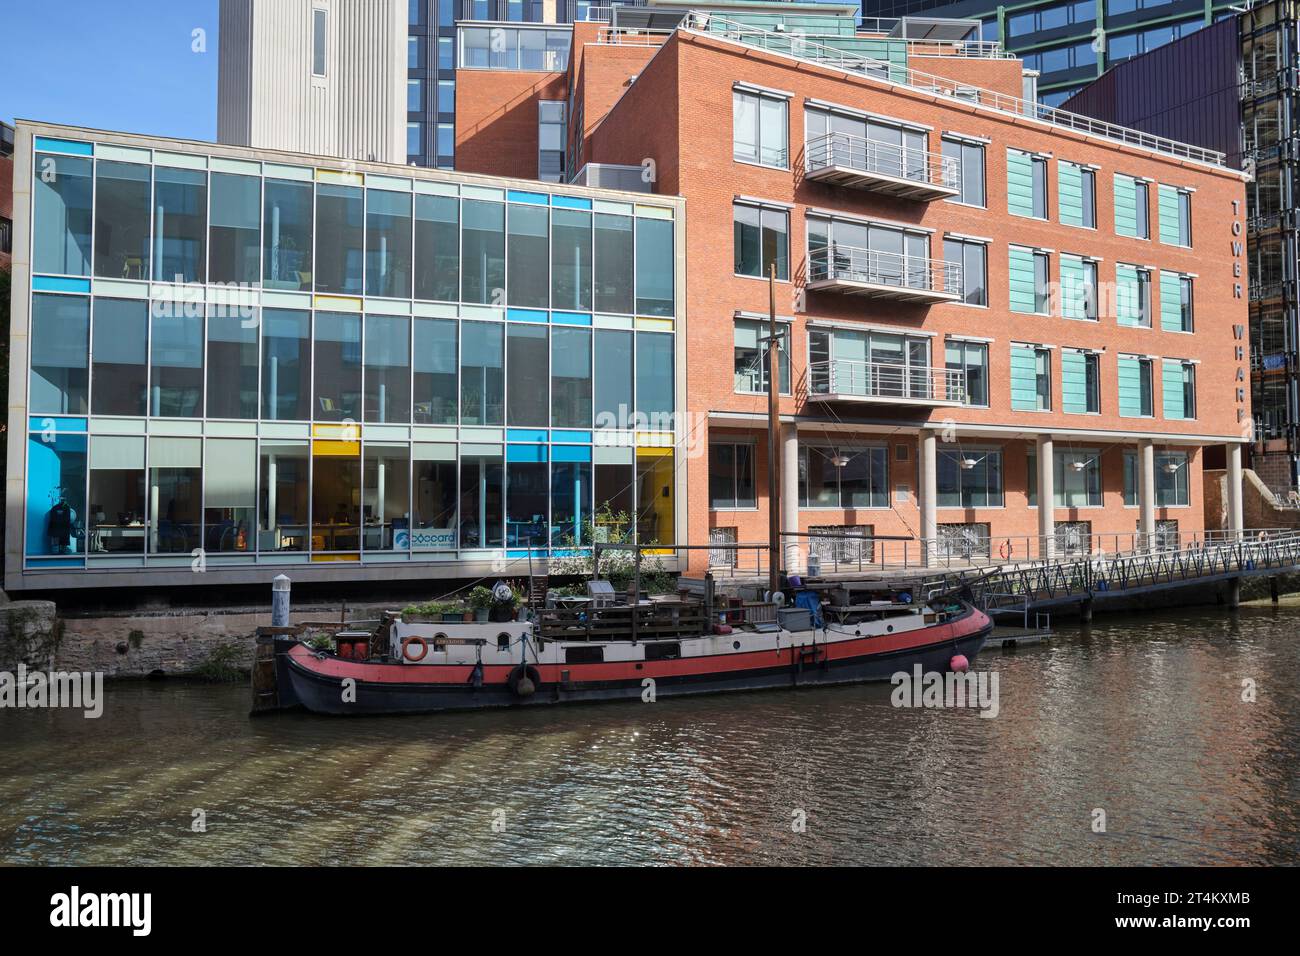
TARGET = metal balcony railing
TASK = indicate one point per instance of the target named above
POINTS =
(890, 270)
(805, 48)
(886, 381)
(874, 158)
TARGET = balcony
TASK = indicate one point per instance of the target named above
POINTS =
(843, 159)
(883, 275)
(884, 383)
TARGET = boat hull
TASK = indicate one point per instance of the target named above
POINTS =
(318, 680)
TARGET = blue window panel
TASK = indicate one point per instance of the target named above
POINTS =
(572, 437)
(571, 552)
(570, 202)
(525, 453)
(46, 145)
(571, 318)
(526, 315)
(41, 563)
(56, 495)
(40, 423)
(537, 199)
(1024, 379)
(529, 435)
(571, 453)
(523, 553)
(59, 284)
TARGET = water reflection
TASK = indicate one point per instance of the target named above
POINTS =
(1141, 718)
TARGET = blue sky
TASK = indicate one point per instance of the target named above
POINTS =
(124, 65)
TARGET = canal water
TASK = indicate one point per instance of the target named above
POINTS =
(1141, 717)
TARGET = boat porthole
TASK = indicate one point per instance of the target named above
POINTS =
(889, 628)
(503, 641)
(735, 645)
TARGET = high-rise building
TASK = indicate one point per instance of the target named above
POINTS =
(1233, 88)
(314, 76)
(1071, 42)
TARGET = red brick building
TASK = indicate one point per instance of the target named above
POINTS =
(987, 302)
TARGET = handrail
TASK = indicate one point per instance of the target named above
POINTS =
(885, 159)
(801, 47)
(853, 264)
(886, 380)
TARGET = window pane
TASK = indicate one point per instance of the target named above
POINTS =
(654, 378)
(435, 506)
(527, 501)
(481, 501)
(571, 260)
(283, 487)
(388, 244)
(61, 190)
(120, 346)
(744, 113)
(482, 383)
(483, 256)
(654, 267)
(176, 373)
(615, 498)
(60, 354)
(435, 372)
(229, 494)
(236, 228)
(232, 365)
(178, 494)
(180, 224)
(654, 518)
(570, 378)
(613, 257)
(385, 497)
(117, 510)
(526, 355)
(339, 238)
(318, 42)
(337, 368)
(122, 221)
(570, 503)
(287, 219)
(335, 502)
(437, 248)
(388, 369)
(528, 250)
(56, 494)
(286, 365)
(613, 369)
(772, 128)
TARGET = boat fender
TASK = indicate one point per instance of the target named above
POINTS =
(524, 680)
(418, 642)
(959, 663)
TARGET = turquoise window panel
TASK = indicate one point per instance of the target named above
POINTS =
(1171, 389)
(571, 453)
(526, 315)
(42, 423)
(1130, 378)
(571, 318)
(526, 435)
(1128, 297)
(525, 453)
(1171, 302)
(60, 284)
(1167, 209)
(41, 563)
(1126, 218)
(1022, 287)
(1074, 288)
(1024, 379)
(1074, 382)
(1020, 183)
(1069, 192)
(571, 202)
(573, 437)
(56, 494)
(46, 145)
(536, 199)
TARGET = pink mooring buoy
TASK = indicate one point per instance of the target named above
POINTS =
(959, 663)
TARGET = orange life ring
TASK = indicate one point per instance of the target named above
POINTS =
(406, 649)
(1007, 550)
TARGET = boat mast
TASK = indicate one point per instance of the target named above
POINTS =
(773, 482)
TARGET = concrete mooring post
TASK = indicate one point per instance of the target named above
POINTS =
(280, 601)
(1234, 592)
(1273, 589)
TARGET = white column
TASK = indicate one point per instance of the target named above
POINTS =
(793, 546)
(1046, 498)
(1146, 494)
(927, 494)
(1235, 521)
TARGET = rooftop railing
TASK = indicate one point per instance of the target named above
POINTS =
(882, 159)
(804, 48)
(891, 270)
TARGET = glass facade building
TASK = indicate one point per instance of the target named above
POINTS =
(238, 361)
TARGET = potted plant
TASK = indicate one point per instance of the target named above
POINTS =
(504, 601)
(480, 602)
